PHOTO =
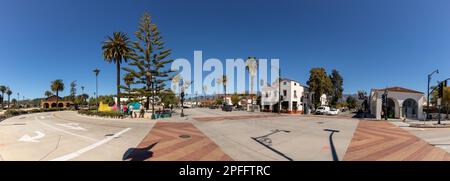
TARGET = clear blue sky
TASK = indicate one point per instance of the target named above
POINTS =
(372, 43)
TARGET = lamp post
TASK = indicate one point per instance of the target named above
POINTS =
(428, 92)
(182, 96)
(279, 90)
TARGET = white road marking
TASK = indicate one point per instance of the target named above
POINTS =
(34, 139)
(90, 147)
(64, 131)
(74, 126)
(42, 117)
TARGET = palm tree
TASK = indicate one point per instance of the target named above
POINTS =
(96, 71)
(251, 66)
(56, 86)
(224, 82)
(9, 92)
(48, 94)
(115, 49)
(2, 90)
(218, 82)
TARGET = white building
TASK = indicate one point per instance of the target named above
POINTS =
(402, 103)
(293, 97)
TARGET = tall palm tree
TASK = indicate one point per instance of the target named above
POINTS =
(2, 90)
(218, 82)
(224, 83)
(252, 66)
(56, 86)
(115, 49)
(8, 92)
(96, 71)
(48, 94)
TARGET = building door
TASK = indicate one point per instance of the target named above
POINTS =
(410, 108)
(390, 108)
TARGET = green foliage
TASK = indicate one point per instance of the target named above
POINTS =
(17, 112)
(168, 98)
(351, 102)
(73, 90)
(319, 83)
(57, 85)
(108, 114)
(219, 101)
(337, 87)
(235, 99)
(148, 66)
(48, 94)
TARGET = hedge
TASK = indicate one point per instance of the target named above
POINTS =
(108, 114)
(15, 112)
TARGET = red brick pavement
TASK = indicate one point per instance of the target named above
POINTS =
(222, 118)
(170, 147)
(383, 141)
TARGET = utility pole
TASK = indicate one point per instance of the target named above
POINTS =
(428, 92)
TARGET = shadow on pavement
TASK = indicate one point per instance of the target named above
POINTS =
(333, 149)
(139, 154)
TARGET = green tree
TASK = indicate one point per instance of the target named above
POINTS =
(115, 50)
(168, 98)
(2, 90)
(9, 92)
(235, 99)
(224, 83)
(56, 86)
(128, 79)
(337, 82)
(351, 102)
(445, 102)
(14, 102)
(149, 62)
(48, 94)
(73, 90)
(319, 83)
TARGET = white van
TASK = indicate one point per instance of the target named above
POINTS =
(322, 110)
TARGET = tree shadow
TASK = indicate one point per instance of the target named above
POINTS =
(139, 154)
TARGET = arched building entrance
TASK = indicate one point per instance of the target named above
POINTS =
(410, 109)
(391, 108)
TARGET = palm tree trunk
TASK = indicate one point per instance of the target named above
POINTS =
(118, 84)
(57, 98)
(9, 101)
(3, 94)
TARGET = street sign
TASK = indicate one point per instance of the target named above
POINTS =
(439, 102)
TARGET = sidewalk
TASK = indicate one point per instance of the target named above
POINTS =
(383, 141)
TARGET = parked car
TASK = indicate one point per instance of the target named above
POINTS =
(322, 110)
(333, 111)
(227, 108)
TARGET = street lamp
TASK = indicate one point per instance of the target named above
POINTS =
(428, 92)
(182, 96)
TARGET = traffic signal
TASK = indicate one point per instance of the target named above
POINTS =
(442, 85)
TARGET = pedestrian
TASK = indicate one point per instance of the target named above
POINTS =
(125, 109)
(142, 112)
(131, 110)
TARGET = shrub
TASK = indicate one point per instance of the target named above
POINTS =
(108, 114)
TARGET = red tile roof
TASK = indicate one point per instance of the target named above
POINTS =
(399, 89)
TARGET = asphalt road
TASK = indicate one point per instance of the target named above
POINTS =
(64, 136)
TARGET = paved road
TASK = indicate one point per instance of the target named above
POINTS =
(305, 138)
(68, 136)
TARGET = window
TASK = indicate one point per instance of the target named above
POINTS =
(284, 93)
(295, 84)
(267, 95)
(295, 94)
(284, 83)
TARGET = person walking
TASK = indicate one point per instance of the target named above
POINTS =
(125, 109)
(131, 110)
(141, 111)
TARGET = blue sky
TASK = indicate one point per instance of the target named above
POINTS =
(373, 44)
